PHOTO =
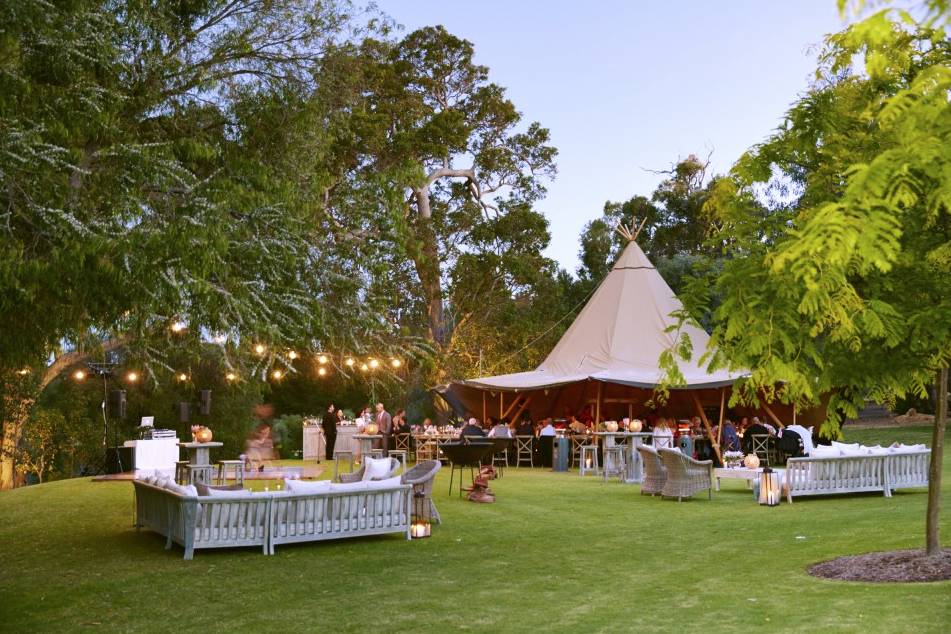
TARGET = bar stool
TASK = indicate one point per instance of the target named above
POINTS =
(338, 454)
(401, 455)
(589, 460)
(181, 471)
(613, 462)
(236, 465)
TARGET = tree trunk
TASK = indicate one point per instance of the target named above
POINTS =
(933, 545)
(426, 261)
(12, 430)
(15, 414)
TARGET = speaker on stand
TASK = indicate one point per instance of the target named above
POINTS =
(204, 405)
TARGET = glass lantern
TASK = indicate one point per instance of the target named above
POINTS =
(769, 492)
(420, 524)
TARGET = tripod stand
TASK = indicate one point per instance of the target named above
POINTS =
(104, 370)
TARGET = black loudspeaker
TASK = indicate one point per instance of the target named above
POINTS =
(119, 403)
(205, 403)
(184, 412)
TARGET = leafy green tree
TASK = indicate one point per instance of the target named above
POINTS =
(674, 232)
(439, 176)
(139, 183)
(836, 233)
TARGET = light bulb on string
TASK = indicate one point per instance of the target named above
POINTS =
(349, 362)
(231, 376)
(259, 348)
(322, 371)
(23, 372)
(132, 377)
(277, 375)
(364, 367)
(374, 364)
(322, 359)
(182, 377)
(396, 363)
(292, 355)
(178, 326)
(79, 375)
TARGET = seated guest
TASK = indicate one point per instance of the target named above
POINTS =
(400, 424)
(547, 428)
(663, 436)
(576, 426)
(472, 428)
(428, 427)
(769, 427)
(756, 428)
(500, 430)
(586, 417)
(730, 440)
(525, 427)
(803, 435)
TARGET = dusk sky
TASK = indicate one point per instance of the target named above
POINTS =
(627, 87)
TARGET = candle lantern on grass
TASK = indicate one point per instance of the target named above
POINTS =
(769, 488)
(420, 524)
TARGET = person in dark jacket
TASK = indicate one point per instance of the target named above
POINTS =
(472, 428)
(756, 428)
(329, 425)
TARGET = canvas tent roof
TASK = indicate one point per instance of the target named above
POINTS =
(618, 337)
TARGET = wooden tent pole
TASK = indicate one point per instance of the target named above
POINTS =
(597, 409)
(501, 403)
(485, 412)
(722, 413)
(706, 424)
(773, 416)
(630, 411)
(511, 407)
(522, 408)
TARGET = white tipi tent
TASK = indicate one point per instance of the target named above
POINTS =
(618, 337)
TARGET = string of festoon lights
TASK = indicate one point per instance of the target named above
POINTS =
(325, 362)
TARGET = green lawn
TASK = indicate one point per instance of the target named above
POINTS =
(555, 553)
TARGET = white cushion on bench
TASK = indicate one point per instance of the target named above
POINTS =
(304, 486)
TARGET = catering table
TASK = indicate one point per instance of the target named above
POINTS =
(314, 441)
(157, 454)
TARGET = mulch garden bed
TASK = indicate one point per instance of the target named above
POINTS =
(891, 566)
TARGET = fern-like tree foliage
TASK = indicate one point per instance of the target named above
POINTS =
(837, 232)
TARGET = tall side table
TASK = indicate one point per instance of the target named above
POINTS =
(199, 460)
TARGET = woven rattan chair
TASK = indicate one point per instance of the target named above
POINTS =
(357, 475)
(685, 476)
(655, 475)
(422, 477)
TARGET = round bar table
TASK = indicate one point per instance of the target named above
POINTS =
(366, 444)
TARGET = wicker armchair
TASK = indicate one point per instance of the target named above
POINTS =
(422, 477)
(357, 475)
(685, 476)
(655, 475)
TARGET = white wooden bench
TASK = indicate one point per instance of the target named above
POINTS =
(334, 515)
(202, 522)
(266, 520)
(856, 474)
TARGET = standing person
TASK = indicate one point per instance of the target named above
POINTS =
(384, 423)
(329, 425)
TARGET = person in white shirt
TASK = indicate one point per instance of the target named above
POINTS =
(548, 429)
(499, 430)
(663, 436)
